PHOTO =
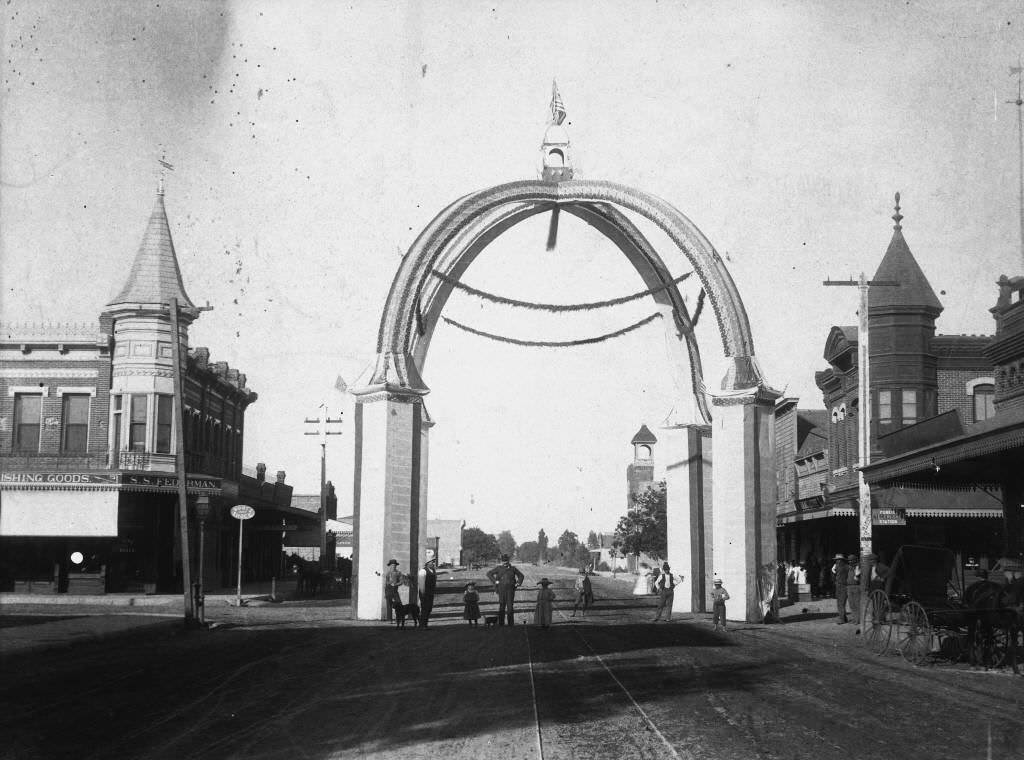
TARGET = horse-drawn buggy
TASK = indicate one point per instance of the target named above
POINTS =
(925, 607)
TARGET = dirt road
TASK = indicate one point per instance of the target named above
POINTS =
(298, 682)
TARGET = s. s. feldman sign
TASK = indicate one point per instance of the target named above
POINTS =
(115, 480)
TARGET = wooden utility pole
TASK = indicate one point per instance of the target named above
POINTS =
(323, 432)
(1019, 102)
(179, 465)
(864, 396)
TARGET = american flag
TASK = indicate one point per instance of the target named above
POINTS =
(557, 106)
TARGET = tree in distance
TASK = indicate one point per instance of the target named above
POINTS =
(529, 551)
(592, 541)
(478, 547)
(542, 544)
(506, 544)
(644, 528)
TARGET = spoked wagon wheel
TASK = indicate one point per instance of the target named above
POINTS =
(913, 633)
(877, 622)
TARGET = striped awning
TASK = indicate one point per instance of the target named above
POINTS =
(940, 512)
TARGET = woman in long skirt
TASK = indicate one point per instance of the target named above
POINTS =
(545, 604)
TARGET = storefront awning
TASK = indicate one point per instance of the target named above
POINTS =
(817, 514)
(58, 513)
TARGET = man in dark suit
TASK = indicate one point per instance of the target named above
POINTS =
(506, 579)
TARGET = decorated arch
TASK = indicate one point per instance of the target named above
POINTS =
(732, 538)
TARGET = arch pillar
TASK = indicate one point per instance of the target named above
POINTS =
(389, 491)
(744, 485)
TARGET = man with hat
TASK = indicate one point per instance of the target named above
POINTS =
(840, 572)
(506, 579)
(427, 578)
(664, 586)
(853, 587)
(392, 580)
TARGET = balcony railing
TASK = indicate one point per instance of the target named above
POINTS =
(145, 461)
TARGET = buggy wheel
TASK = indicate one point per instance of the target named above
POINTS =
(913, 633)
(999, 650)
(877, 622)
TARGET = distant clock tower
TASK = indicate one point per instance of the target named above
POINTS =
(640, 473)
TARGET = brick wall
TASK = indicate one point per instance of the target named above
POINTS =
(953, 391)
(49, 376)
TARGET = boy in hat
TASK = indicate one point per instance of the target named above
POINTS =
(718, 597)
(545, 604)
(506, 579)
(392, 580)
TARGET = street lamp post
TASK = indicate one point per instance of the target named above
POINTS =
(202, 513)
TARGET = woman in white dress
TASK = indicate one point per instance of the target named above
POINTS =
(642, 586)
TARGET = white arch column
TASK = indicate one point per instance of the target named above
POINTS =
(744, 485)
(389, 492)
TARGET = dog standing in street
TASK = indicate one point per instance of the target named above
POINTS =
(403, 611)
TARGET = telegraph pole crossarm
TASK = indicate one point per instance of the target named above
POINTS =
(322, 431)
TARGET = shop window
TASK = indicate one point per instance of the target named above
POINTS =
(137, 422)
(984, 397)
(75, 423)
(909, 400)
(164, 407)
(28, 409)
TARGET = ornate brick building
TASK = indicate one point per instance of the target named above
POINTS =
(88, 431)
(916, 377)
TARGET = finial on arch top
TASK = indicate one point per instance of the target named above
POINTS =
(897, 217)
(555, 159)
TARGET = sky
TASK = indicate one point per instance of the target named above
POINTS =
(312, 142)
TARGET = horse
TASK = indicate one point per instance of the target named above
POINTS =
(308, 572)
(995, 631)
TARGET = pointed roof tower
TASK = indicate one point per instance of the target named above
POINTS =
(155, 277)
(899, 265)
(643, 435)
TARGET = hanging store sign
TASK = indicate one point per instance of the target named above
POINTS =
(888, 517)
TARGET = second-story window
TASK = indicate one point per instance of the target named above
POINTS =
(137, 422)
(115, 425)
(984, 398)
(75, 423)
(909, 400)
(164, 405)
(885, 407)
(28, 409)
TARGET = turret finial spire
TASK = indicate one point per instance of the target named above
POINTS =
(164, 168)
(897, 217)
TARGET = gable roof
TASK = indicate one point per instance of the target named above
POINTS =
(155, 277)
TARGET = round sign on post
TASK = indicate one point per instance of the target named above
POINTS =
(242, 512)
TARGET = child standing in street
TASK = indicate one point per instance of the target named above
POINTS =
(718, 597)
(471, 604)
